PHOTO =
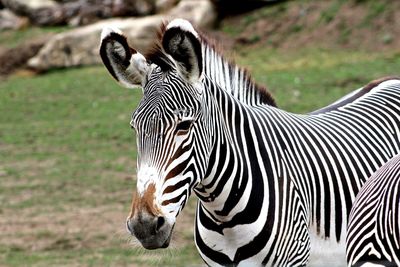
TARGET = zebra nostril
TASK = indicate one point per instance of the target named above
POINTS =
(128, 227)
(160, 223)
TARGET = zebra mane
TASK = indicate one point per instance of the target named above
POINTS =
(157, 55)
(233, 79)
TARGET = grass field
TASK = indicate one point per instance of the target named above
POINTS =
(67, 154)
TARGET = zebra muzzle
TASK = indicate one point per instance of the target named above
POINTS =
(152, 231)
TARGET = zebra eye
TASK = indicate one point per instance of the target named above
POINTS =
(183, 126)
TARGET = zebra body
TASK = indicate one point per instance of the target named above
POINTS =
(272, 185)
(374, 223)
(291, 159)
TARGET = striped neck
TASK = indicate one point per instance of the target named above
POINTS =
(232, 127)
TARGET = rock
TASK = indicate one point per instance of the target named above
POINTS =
(88, 11)
(78, 12)
(82, 13)
(201, 13)
(38, 11)
(80, 46)
(133, 7)
(165, 5)
(14, 58)
(48, 17)
(10, 21)
(26, 7)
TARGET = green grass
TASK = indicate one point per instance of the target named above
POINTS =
(67, 151)
(329, 14)
(58, 125)
(99, 257)
(11, 38)
(375, 9)
(273, 12)
(67, 154)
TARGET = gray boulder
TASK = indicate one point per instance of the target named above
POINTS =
(201, 13)
(21, 7)
(78, 12)
(14, 58)
(164, 5)
(26, 7)
(38, 11)
(10, 21)
(80, 46)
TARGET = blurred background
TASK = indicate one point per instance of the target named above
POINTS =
(67, 153)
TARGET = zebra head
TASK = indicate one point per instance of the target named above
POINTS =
(168, 122)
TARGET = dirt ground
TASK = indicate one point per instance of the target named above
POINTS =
(366, 25)
(73, 228)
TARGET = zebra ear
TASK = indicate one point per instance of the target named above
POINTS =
(124, 63)
(182, 43)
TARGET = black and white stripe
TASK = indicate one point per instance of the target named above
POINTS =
(280, 176)
(374, 223)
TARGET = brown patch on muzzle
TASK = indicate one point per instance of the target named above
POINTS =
(145, 203)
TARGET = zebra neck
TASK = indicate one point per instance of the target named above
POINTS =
(233, 79)
(229, 163)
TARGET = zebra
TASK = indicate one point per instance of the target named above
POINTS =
(274, 188)
(374, 224)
